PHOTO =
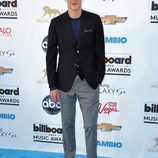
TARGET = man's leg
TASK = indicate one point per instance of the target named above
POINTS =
(68, 110)
(89, 102)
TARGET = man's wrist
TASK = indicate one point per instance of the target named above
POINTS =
(53, 88)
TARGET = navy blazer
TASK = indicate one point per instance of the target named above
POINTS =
(89, 50)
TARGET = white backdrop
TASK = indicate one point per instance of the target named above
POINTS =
(128, 111)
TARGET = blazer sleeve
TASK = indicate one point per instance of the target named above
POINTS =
(100, 50)
(51, 56)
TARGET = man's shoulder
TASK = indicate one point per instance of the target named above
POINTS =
(59, 18)
(92, 14)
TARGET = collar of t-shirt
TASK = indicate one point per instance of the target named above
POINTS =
(75, 23)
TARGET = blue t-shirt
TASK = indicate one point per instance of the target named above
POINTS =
(75, 23)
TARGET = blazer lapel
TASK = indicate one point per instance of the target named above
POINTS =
(82, 24)
(70, 31)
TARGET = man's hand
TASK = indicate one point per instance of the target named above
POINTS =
(54, 95)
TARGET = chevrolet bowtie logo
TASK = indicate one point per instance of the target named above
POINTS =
(113, 19)
(5, 70)
(108, 127)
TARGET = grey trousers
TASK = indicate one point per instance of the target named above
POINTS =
(89, 101)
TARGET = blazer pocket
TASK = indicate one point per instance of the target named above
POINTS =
(89, 30)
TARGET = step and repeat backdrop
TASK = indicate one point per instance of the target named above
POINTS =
(128, 109)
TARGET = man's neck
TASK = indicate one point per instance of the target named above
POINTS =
(74, 14)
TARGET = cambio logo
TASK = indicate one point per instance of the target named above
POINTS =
(8, 4)
(50, 107)
(114, 40)
(109, 144)
(7, 116)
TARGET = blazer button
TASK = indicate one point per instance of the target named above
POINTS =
(78, 51)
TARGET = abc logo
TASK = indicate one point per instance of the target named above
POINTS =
(50, 107)
(45, 44)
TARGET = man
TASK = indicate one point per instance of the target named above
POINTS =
(77, 36)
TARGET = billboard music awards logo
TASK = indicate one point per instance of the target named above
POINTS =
(47, 14)
(9, 95)
(47, 133)
(107, 108)
(7, 53)
(5, 31)
(108, 127)
(118, 64)
(154, 11)
(151, 113)
(8, 9)
(113, 19)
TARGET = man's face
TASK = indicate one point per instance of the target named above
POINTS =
(74, 4)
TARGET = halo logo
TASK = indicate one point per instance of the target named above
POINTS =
(8, 9)
(45, 44)
(50, 107)
(5, 31)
